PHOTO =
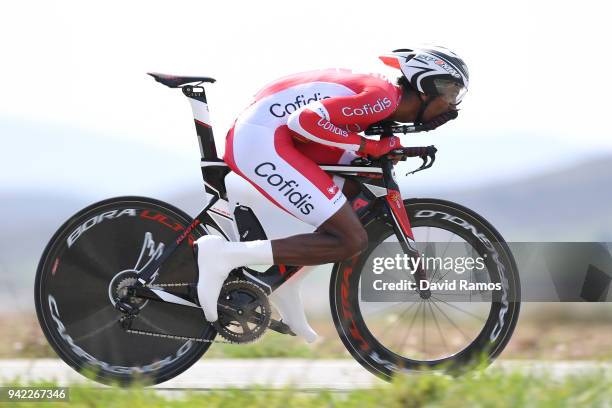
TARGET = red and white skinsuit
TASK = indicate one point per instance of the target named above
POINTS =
(303, 120)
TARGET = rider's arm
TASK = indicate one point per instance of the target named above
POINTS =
(320, 121)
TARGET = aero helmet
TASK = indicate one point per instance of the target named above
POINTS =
(432, 70)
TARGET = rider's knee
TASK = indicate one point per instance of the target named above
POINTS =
(355, 243)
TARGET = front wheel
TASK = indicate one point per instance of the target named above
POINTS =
(440, 329)
(90, 262)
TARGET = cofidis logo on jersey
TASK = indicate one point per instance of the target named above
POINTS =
(330, 127)
(281, 110)
(288, 187)
(368, 109)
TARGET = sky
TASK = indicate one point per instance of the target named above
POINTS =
(537, 100)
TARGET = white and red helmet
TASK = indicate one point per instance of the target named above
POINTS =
(432, 70)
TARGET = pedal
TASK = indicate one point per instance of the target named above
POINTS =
(280, 327)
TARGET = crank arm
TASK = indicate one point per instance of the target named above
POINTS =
(280, 327)
(160, 295)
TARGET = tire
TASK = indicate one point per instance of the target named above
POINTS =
(375, 353)
(91, 255)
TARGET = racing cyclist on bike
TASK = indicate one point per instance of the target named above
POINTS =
(302, 120)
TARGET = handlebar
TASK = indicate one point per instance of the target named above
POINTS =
(426, 153)
(417, 151)
(385, 129)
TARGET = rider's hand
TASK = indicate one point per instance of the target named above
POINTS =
(377, 148)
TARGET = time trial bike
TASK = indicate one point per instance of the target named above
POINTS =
(115, 288)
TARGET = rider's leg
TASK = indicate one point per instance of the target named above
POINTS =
(288, 297)
(340, 237)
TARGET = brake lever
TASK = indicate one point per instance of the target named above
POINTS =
(424, 166)
(429, 155)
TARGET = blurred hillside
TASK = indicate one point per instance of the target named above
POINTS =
(569, 204)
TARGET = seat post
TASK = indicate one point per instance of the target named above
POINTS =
(201, 117)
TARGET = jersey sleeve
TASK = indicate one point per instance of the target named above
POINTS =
(321, 121)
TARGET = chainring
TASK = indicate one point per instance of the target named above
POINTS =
(244, 312)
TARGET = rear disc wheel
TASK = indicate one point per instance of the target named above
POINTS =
(89, 263)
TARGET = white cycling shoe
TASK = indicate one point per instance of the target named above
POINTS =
(288, 302)
(212, 272)
(216, 258)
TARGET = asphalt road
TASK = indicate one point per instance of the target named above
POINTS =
(273, 373)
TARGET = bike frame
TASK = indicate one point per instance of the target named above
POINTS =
(379, 197)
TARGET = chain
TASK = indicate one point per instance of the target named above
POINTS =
(175, 337)
(166, 285)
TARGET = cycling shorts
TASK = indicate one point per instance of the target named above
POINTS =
(285, 171)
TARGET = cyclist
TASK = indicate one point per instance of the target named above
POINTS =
(314, 117)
